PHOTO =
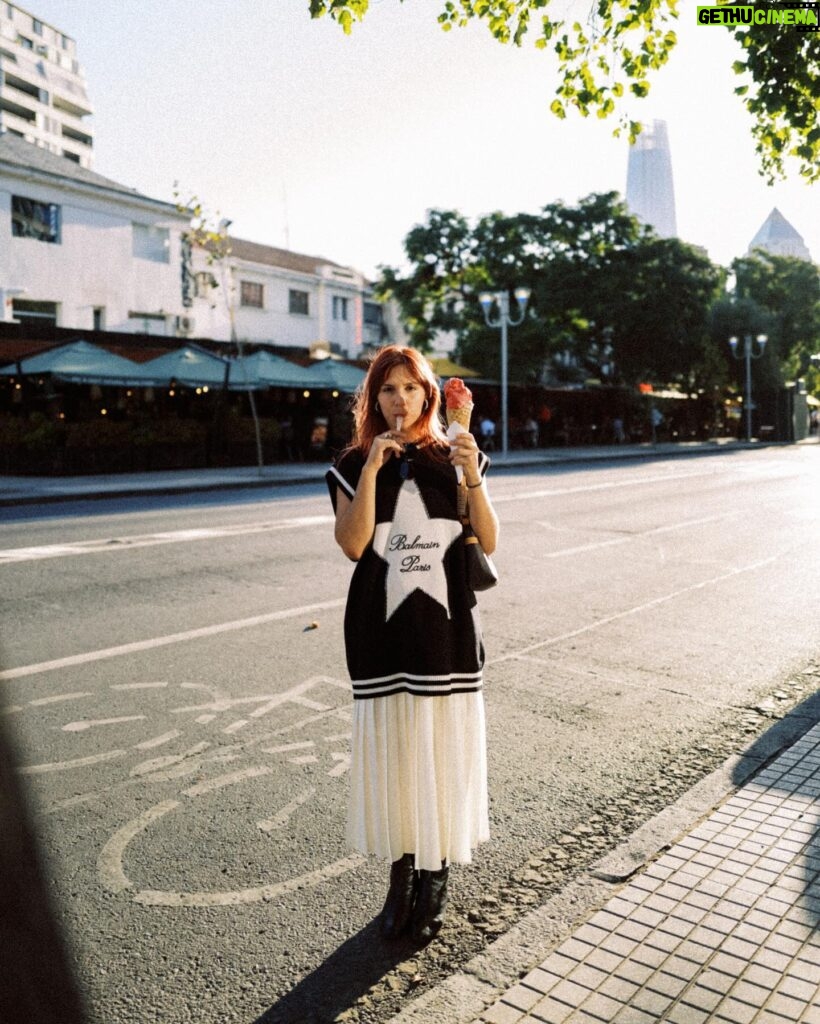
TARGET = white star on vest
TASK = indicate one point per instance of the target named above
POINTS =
(414, 546)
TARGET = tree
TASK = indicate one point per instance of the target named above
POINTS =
(624, 42)
(590, 267)
(788, 290)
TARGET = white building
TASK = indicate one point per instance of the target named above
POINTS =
(79, 250)
(650, 193)
(284, 298)
(43, 97)
(778, 238)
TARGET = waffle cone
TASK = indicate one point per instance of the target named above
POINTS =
(461, 415)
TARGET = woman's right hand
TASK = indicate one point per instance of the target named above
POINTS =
(385, 446)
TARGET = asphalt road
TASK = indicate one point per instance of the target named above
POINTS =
(174, 675)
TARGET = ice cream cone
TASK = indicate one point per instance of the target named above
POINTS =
(460, 415)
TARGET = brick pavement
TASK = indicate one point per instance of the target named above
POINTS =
(723, 927)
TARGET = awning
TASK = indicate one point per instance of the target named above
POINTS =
(443, 367)
(333, 375)
(195, 367)
(80, 362)
(270, 371)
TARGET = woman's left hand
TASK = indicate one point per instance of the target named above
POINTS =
(464, 453)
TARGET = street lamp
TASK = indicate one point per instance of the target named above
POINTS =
(748, 355)
(505, 320)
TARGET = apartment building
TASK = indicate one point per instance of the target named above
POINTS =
(43, 95)
(281, 297)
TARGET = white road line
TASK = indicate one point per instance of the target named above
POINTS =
(109, 863)
(108, 545)
(158, 741)
(281, 819)
(58, 698)
(164, 641)
(158, 763)
(231, 779)
(631, 538)
(512, 655)
(87, 723)
(80, 762)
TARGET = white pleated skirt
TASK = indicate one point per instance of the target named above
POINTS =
(418, 778)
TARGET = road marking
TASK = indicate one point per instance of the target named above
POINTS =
(157, 741)
(80, 762)
(109, 863)
(231, 779)
(115, 544)
(282, 818)
(631, 538)
(173, 638)
(598, 623)
(92, 723)
(240, 723)
(57, 698)
(158, 763)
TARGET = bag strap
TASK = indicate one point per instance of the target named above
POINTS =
(462, 501)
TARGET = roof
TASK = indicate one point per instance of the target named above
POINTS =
(255, 252)
(18, 153)
(776, 234)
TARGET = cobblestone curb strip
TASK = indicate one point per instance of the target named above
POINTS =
(722, 927)
(691, 917)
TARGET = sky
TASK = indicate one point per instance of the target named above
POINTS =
(336, 146)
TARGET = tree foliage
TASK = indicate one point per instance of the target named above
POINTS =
(621, 44)
(590, 267)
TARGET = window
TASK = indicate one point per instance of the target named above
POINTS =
(151, 243)
(372, 314)
(298, 302)
(34, 314)
(64, 42)
(339, 308)
(37, 27)
(251, 293)
(27, 44)
(99, 318)
(32, 219)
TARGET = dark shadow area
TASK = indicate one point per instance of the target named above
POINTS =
(36, 982)
(337, 983)
(776, 741)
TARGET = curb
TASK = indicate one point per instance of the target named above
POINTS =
(462, 997)
(520, 461)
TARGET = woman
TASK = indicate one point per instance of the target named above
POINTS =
(412, 638)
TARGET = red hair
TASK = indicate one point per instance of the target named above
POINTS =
(368, 421)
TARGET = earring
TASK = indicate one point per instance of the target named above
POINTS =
(424, 407)
(377, 408)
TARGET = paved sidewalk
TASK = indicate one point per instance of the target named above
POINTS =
(25, 490)
(710, 912)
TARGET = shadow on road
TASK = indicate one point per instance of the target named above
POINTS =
(337, 983)
(800, 779)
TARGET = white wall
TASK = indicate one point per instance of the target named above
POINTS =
(93, 264)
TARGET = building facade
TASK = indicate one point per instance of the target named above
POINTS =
(43, 95)
(79, 250)
(278, 297)
(650, 192)
(778, 238)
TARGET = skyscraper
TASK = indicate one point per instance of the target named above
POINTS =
(43, 97)
(777, 237)
(650, 194)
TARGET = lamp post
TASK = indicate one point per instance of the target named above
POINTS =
(748, 355)
(504, 320)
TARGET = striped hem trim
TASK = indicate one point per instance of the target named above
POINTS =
(422, 686)
(340, 480)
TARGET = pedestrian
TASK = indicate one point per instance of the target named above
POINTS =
(488, 434)
(415, 653)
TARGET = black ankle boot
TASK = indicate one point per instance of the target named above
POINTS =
(399, 902)
(431, 899)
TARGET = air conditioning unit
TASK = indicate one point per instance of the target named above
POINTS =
(185, 324)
